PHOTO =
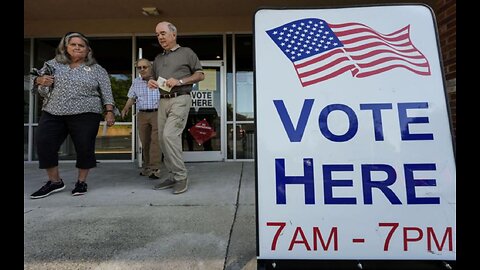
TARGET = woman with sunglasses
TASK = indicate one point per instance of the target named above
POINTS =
(77, 95)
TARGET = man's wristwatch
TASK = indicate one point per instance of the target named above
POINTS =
(180, 82)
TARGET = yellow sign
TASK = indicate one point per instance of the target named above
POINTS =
(210, 82)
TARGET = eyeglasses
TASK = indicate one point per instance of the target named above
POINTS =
(142, 67)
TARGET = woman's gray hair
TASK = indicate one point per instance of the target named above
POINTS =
(62, 55)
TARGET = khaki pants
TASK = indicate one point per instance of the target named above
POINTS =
(148, 132)
(172, 119)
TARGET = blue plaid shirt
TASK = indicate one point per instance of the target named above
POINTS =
(146, 98)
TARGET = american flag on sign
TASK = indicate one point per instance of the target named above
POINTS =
(320, 51)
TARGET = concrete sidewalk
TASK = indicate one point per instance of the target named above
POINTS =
(122, 223)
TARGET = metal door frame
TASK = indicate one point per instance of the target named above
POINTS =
(198, 156)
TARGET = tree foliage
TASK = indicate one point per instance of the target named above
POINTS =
(120, 86)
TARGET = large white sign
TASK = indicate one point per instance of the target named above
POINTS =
(354, 150)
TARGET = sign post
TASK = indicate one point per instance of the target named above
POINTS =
(355, 159)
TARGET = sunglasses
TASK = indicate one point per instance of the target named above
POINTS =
(142, 67)
(69, 35)
(76, 33)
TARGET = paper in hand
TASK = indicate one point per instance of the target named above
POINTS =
(162, 84)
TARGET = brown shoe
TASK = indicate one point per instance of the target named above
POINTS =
(165, 184)
(154, 174)
(145, 172)
(180, 186)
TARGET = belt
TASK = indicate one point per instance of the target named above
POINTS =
(149, 110)
(172, 95)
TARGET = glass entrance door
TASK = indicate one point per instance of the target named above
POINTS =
(203, 137)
